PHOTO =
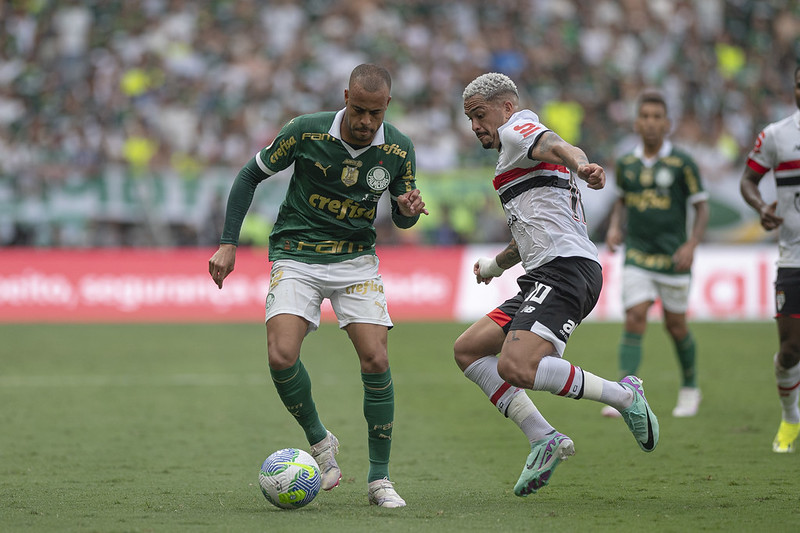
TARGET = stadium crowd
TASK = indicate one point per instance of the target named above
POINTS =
(106, 107)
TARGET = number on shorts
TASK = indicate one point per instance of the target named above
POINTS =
(539, 293)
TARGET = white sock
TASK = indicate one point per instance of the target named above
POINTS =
(511, 401)
(484, 373)
(788, 380)
(562, 378)
(522, 411)
(559, 377)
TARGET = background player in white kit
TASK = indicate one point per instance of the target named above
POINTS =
(778, 148)
(535, 178)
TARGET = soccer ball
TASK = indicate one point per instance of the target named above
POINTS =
(290, 478)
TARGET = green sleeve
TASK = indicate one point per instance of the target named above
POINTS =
(239, 200)
(400, 220)
(618, 174)
(691, 176)
(402, 184)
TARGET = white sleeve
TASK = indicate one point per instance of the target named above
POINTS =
(764, 149)
(523, 134)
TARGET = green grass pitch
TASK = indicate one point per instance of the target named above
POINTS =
(163, 428)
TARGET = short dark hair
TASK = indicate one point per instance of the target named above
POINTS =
(652, 96)
(371, 77)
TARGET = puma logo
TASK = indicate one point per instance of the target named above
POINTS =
(323, 169)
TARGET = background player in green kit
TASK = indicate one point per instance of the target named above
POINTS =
(656, 182)
(323, 246)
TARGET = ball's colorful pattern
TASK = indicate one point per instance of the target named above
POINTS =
(290, 478)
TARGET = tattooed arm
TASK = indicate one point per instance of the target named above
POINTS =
(485, 269)
(509, 256)
(551, 148)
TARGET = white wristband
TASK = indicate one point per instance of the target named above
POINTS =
(488, 268)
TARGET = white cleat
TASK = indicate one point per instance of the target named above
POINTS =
(323, 453)
(688, 402)
(381, 493)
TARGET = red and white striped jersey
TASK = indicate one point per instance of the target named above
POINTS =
(541, 201)
(778, 148)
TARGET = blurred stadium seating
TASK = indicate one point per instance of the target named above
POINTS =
(123, 123)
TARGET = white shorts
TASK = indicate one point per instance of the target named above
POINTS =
(354, 288)
(640, 285)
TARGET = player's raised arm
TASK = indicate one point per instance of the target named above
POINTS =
(553, 149)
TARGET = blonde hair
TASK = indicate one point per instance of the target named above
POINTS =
(490, 86)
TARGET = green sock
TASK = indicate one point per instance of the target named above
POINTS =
(379, 413)
(630, 353)
(686, 356)
(294, 388)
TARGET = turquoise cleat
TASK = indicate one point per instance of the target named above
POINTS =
(543, 459)
(640, 418)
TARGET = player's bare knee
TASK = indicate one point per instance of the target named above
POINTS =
(280, 360)
(677, 331)
(374, 362)
(636, 318)
(789, 354)
(462, 352)
(280, 353)
(517, 375)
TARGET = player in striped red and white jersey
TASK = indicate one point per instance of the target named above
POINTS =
(535, 178)
(777, 148)
(557, 227)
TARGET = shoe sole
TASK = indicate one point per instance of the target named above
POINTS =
(393, 504)
(334, 485)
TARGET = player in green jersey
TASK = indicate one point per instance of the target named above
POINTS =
(323, 246)
(656, 182)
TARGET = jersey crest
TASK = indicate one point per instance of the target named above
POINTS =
(378, 178)
(349, 176)
(664, 178)
(646, 177)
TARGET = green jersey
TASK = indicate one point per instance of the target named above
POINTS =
(656, 196)
(330, 205)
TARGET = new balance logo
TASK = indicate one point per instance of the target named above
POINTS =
(528, 309)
